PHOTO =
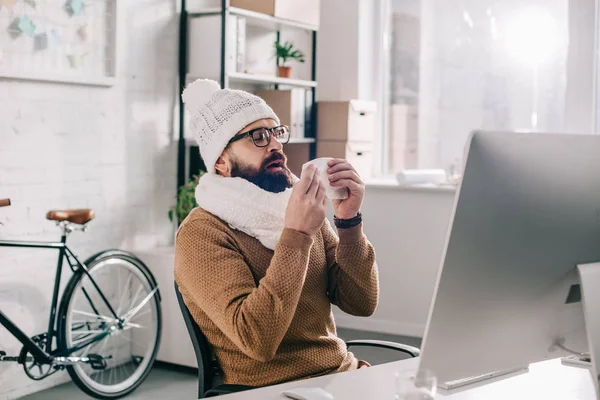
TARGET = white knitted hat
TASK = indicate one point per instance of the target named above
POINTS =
(218, 114)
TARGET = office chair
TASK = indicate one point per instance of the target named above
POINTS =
(209, 381)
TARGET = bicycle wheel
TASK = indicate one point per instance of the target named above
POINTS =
(131, 346)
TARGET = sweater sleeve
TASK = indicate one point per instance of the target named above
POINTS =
(216, 277)
(353, 283)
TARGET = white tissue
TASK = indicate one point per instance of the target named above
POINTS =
(332, 193)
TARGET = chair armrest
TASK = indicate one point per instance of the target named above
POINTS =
(412, 351)
(226, 389)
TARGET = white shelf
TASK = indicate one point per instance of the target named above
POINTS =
(301, 140)
(192, 141)
(269, 22)
(257, 19)
(266, 79)
(239, 77)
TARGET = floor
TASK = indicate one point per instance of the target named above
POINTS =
(165, 379)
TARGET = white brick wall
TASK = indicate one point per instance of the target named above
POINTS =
(76, 146)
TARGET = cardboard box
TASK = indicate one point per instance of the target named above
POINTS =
(404, 123)
(352, 121)
(403, 137)
(290, 107)
(260, 6)
(304, 11)
(359, 154)
(297, 155)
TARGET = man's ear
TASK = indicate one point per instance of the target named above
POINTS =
(223, 165)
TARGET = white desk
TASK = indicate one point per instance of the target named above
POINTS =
(545, 381)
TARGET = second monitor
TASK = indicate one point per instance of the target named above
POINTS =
(526, 216)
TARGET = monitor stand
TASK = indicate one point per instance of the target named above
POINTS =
(589, 276)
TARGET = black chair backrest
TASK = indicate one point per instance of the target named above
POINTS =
(204, 353)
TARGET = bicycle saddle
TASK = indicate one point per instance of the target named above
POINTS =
(82, 216)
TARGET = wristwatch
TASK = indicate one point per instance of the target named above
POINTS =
(347, 223)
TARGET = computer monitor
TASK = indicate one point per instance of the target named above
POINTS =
(527, 213)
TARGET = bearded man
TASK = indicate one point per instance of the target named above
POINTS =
(257, 263)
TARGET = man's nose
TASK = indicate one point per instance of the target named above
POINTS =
(274, 145)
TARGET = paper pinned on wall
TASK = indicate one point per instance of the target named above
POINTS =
(47, 40)
(34, 3)
(22, 25)
(8, 4)
(75, 7)
(85, 32)
(76, 60)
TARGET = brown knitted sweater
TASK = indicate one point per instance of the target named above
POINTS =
(267, 313)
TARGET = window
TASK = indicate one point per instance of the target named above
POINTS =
(459, 65)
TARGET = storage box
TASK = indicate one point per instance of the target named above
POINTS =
(359, 154)
(297, 155)
(403, 137)
(260, 6)
(303, 11)
(352, 121)
(290, 107)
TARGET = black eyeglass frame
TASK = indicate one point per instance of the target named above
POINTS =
(271, 132)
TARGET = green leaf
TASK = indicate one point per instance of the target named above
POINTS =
(186, 199)
(286, 51)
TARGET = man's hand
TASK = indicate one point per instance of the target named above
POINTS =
(306, 209)
(342, 174)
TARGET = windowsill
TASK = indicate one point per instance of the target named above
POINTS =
(391, 183)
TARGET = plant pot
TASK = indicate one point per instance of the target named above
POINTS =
(284, 71)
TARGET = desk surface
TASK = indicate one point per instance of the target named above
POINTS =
(549, 380)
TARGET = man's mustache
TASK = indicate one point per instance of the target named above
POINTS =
(272, 158)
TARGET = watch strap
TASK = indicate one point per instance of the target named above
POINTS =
(347, 223)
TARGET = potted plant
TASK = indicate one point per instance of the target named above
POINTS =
(285, 52)
(186, 200)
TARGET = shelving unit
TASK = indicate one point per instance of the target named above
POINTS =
(188, 158)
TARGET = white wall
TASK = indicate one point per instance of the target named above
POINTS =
(348, 64)
(337, 51)
(407, 227)
(75, 146)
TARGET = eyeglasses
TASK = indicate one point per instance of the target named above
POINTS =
(262, 136)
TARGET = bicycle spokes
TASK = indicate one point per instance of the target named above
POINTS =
(126, 343)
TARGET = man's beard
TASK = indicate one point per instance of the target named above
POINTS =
(274, 182)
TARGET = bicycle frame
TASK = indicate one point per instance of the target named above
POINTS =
(46, 355)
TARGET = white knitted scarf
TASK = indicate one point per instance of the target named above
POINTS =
(244, 206)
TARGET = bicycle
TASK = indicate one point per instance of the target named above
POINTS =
(106, 330)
